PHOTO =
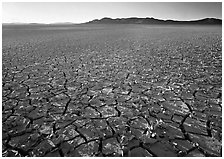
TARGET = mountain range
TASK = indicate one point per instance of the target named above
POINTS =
(135, 20)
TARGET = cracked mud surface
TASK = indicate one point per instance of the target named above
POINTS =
(111, 91)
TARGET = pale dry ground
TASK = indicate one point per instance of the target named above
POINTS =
(120, 90)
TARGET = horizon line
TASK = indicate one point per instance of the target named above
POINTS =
(109, 18)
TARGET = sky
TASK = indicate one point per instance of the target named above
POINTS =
(79, 12)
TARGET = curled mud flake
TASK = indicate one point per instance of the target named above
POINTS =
(107, 90)
(12, 153)
(182, 106)
(71, 88)
(44, 129)
(125, 92)
(57, 104)
(51, 143)
(174, 143)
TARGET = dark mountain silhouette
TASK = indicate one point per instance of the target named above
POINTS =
(135, 20)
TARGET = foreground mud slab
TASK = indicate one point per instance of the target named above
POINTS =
(128, 90)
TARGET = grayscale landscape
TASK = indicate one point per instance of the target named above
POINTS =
(112, 89)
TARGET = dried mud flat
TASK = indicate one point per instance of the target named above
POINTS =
(128, 90)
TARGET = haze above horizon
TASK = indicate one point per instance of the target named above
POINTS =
(80, 12)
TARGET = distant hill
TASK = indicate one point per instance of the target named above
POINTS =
(135, 20)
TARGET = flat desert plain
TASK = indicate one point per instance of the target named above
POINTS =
(111, 90)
